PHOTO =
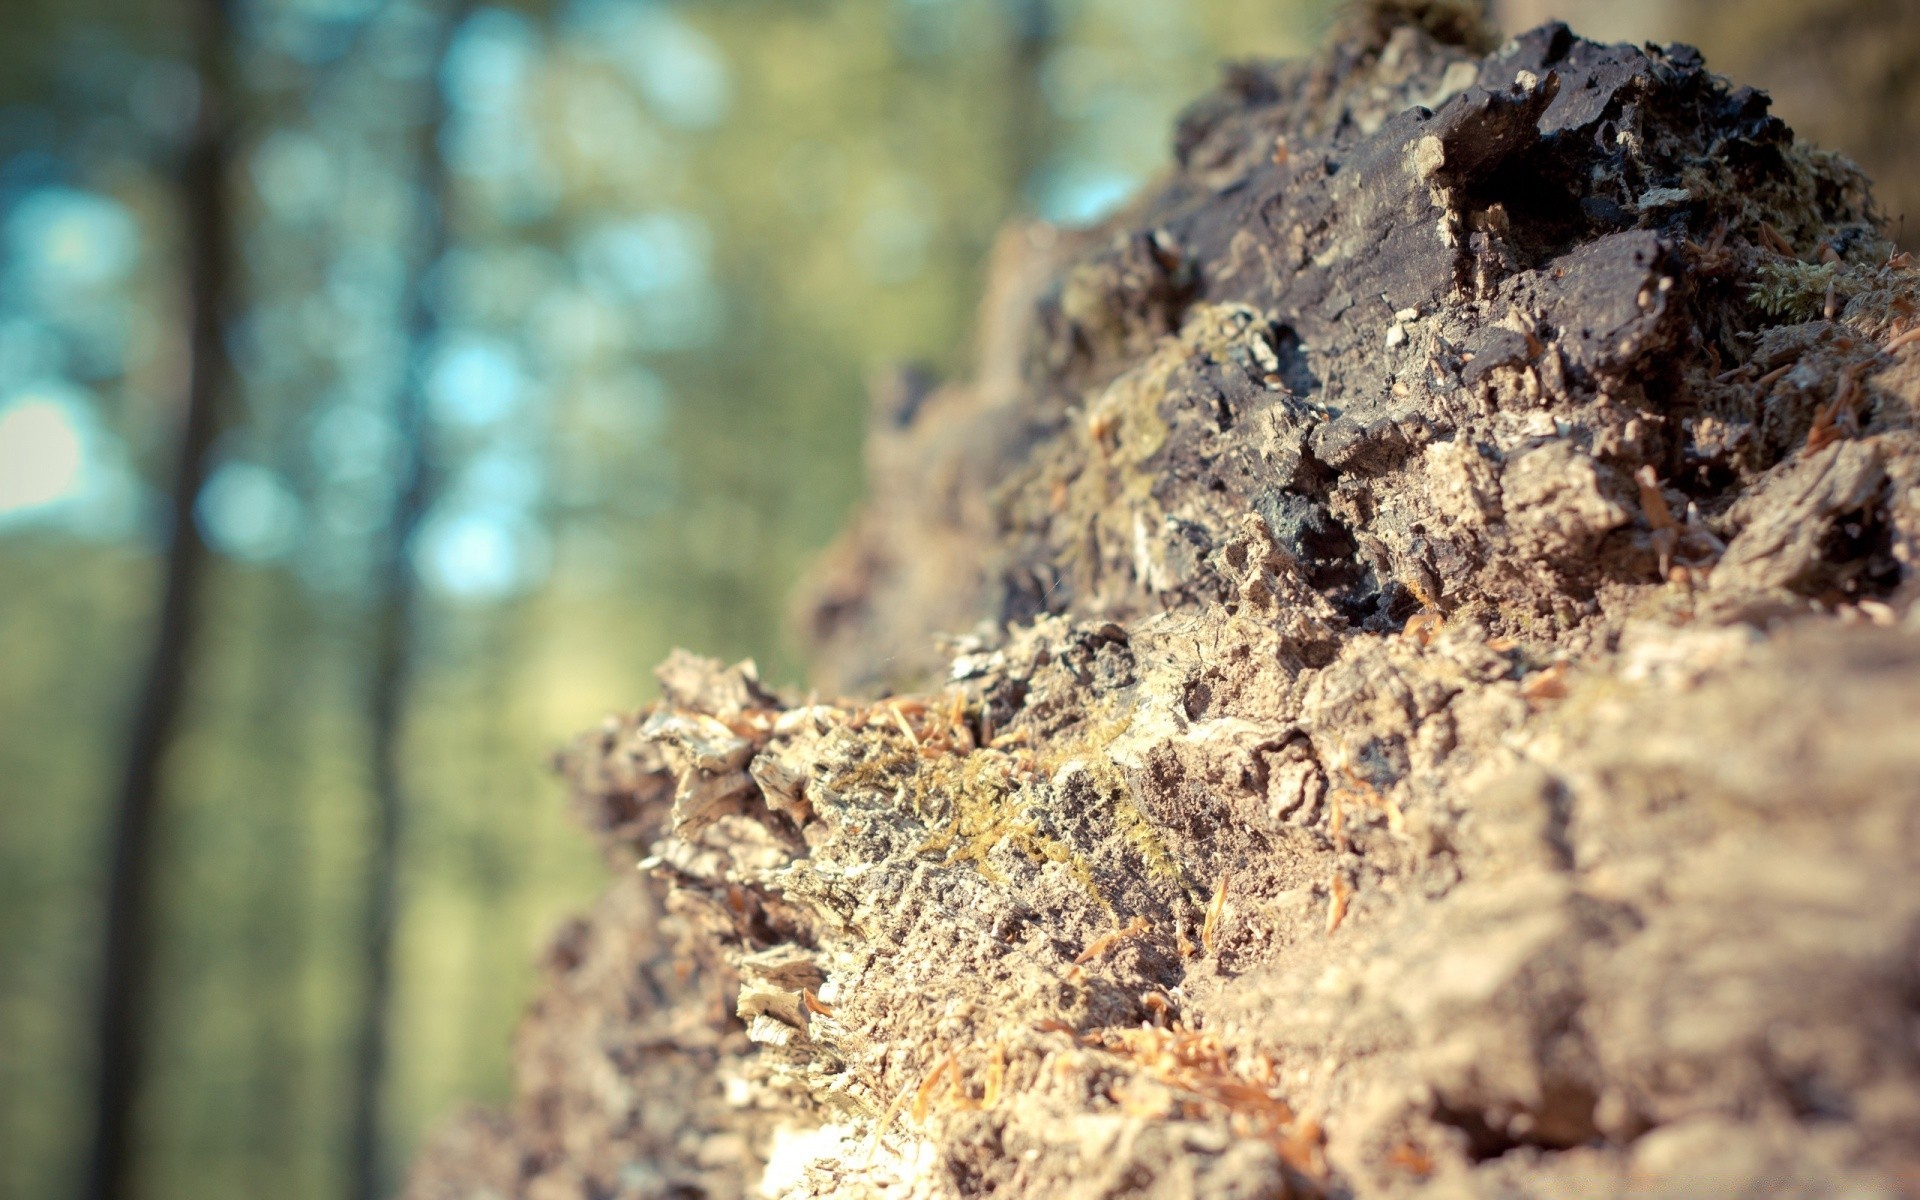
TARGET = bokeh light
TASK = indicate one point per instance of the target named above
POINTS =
(43, 454)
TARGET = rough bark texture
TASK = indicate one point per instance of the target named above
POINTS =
(1407, 687)
(1844, 73)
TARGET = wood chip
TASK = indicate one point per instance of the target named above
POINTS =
(1544, 685)
(996, 1076)
(923, 1098)
(1422, 628)
(1653, 502)
(900, 719)
(1342, 891)
(1210, 927)
(1108, 941)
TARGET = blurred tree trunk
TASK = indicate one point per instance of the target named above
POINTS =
(126, 1001)
(275, 927)
(393, 663)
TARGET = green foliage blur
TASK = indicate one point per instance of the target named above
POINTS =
(681, 235)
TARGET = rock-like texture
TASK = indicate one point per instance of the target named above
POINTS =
(1409, 686)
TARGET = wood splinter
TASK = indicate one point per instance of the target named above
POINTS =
(1108, 941)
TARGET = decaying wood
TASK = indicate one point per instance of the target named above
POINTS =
(1406, 687)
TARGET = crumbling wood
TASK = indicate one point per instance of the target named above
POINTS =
(1415, 528)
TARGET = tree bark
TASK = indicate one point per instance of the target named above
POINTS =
(1409, 697)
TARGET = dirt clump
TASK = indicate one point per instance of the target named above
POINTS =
(1398, 677)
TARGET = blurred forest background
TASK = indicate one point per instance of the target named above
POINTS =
(385, 385)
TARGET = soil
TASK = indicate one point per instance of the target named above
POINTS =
(1398, 676)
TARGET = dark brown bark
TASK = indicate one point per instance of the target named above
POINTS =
(126, 984)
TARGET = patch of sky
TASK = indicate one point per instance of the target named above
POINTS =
(61, 467)
(489, 62)
(1081, 193)
(29, 349)
(479, 554)
(295, 175)
(680, 71)
(476, 380)
(506, 477)
(62, 240)
(659, 253)
(488, 78)
(247, 512)
(43, 451)
(351, 442)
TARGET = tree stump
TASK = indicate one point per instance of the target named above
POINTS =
(1398, 677)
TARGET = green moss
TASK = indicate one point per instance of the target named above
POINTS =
(977, 802)
(883, 769)
(981, 805)
(1818, 195)
(1798, 291)
(1089, 747)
